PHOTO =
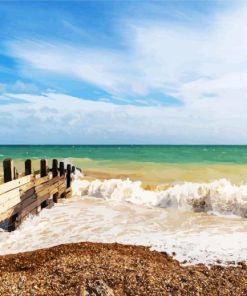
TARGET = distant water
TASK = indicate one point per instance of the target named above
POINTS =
(181, 154)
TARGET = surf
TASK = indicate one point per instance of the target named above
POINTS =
(217, 197)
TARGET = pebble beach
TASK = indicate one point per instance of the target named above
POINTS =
(113, 269)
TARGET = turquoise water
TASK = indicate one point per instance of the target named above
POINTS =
(141, 153)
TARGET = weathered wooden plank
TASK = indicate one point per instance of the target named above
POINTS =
(47, 184)
(9, 195)
(9, 200)
(14, 184)
(41, 180)
(48, 189)
(10, 212)
(34, 182)
(35, 210)
(62, 187)
(24, 196)
(34, 205)
(61, 181)
(26, 202)
(14, 197)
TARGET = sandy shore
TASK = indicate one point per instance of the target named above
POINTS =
(113, 269)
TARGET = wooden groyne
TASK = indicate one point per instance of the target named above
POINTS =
(28, 193)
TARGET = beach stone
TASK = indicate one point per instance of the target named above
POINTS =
(97, 288)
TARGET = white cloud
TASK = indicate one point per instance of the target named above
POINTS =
(18, 86)
(159, 57)
(21, 86)
(59, 118)
(206, 69)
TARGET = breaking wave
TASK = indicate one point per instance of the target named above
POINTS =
(219, 196)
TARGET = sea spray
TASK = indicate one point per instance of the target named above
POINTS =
(219, 196)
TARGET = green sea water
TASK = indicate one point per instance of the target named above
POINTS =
(170, 154)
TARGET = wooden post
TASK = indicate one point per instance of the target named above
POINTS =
(55, 197)
(43, 165)
(61, 168)
(54, 168)
(8, 170)
(73, 169)
(68, 176)
(28, 167)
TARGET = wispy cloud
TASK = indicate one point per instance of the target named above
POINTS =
(199, 71)
(158, 56)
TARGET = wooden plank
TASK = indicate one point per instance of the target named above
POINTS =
(47, 184)
(62, 187)
(9, 200)
(61, 182)
(35, 210)
(48, 189)
(9, 195)
(27, 193)
(14, 184)
(28, 200)
(24, 201)
(34, 205)
(34, 182)
(10, 212)
(41, 180)
(13, 198)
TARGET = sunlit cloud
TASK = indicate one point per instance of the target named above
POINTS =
(190, 82)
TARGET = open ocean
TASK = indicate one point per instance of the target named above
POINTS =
(180, 154)
(191, 200)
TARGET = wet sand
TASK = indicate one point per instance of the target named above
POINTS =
(79, 269)
(151, 174)
(156, 174)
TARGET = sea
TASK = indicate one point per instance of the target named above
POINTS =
(187, 200)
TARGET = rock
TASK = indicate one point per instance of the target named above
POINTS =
(97, 288)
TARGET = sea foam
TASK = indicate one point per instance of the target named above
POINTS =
(219, 196)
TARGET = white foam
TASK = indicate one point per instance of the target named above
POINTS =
(219, 196)
(195, 237)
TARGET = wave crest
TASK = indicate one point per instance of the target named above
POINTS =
(219, 196)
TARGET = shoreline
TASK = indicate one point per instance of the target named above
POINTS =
(151, 174)
(80, 268)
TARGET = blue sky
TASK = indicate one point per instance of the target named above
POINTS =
(105, 72)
